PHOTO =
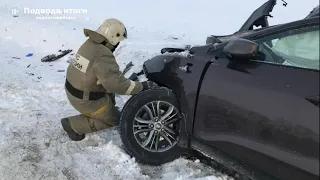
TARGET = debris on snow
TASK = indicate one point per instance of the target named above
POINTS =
(54, 57)
(128, 67)
(29, 55)
(171, 37)
(48, 58)
(174, 38)
(61, 71)
(16, 58)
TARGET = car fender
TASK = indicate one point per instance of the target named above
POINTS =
(180, 72)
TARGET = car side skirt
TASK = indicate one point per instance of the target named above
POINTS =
(224, 161)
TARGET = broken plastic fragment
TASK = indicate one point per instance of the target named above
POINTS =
(29, 55)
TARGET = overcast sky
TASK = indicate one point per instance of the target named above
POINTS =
(208, 16)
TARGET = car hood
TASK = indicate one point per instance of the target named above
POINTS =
(257, 18)
(314, 12)
(232, 36)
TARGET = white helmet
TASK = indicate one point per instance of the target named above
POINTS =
(112, 30)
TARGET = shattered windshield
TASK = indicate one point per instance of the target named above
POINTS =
(301, 50)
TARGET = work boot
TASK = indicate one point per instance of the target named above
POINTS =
(71, 133)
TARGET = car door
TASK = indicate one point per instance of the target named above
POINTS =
(265, 112)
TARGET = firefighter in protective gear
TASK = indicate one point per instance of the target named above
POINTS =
(92, 80)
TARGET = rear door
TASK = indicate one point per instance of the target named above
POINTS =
(266, 111)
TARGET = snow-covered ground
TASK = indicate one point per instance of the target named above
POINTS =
(32, 99)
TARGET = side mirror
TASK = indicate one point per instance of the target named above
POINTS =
(241, 49)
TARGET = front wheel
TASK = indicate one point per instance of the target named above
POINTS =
(149, 126)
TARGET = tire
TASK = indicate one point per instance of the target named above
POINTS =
(135, 106)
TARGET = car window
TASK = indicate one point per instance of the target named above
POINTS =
(298, 48)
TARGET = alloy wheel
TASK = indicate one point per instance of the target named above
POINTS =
(155, 126)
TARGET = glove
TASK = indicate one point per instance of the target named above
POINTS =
(134, 77)
(149, 85)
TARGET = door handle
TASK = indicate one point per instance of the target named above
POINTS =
(313, 99)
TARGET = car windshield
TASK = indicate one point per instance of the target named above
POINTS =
(300, 49)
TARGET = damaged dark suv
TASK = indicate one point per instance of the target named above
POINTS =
(249, 101)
